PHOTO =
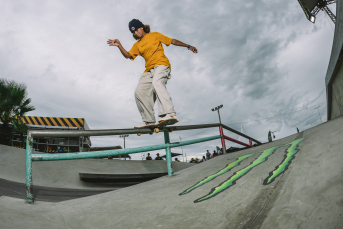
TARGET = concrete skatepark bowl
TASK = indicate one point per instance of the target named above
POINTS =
(306, 193)
(60, 180)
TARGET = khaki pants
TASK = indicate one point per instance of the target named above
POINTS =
(152, 86)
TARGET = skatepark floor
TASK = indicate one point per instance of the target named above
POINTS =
(295, 182)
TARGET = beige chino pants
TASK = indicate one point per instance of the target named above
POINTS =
(152, 86)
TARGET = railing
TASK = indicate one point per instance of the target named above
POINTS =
(98, 154)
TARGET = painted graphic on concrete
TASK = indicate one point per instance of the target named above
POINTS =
(226, 169)
(279, 169)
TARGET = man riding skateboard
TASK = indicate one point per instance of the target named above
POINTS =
(152, 84)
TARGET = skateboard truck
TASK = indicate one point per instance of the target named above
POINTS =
(161, 126)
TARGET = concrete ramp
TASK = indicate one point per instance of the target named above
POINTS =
(66, 174)
(295, 182)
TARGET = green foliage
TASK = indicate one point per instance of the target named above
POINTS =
(14, 104)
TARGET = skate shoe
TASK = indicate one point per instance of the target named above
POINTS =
(144, 124)
(170, 116)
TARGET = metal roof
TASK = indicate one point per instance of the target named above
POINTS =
(310, 4)
(56, 121)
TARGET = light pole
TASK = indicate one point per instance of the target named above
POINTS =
(124, 136)
(217, 109)
(183, 157)
(220, 127)
(319, 113)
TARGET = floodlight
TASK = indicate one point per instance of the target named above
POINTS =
(217, 109)
(312, 7)
(312, 18)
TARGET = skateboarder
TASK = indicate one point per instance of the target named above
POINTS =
(152, 84)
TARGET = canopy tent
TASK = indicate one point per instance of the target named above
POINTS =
(173, 155)
(285, 131)
(241, 139)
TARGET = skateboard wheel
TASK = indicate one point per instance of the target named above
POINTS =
(156, 130)
(171, 130)
(138, 134)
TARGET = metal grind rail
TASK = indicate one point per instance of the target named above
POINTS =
(99, 154)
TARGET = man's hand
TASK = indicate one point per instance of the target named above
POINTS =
(193, 49)
(117, 43)
(114, 42)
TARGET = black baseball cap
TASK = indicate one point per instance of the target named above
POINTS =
(135, 24)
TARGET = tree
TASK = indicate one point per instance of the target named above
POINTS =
(14, 104)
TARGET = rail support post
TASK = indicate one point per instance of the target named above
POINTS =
(168, 153)
(222, 139)
(28, 169)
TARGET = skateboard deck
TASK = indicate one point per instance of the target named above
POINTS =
(159, 126)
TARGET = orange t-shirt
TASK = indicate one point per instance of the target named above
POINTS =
(151, 49)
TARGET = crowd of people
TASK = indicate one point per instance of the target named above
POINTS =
(149, 158)
(207, 157)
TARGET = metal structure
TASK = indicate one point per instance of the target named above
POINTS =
(30, 157)
(52, 144)
(312, 7)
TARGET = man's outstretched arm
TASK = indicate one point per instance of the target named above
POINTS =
(117, 43)
(179, 43)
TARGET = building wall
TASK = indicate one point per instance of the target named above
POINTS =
(334, 75)
(337, 94)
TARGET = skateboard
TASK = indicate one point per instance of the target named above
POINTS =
(160, 126)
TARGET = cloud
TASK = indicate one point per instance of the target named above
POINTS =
(259, 59)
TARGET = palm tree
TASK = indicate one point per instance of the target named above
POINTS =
(14, 104)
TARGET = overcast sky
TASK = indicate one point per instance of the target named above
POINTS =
(263, 60)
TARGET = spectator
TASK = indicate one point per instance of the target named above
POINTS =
(220, 152)
(158, 157)
(215, 153)
(148, 158)
(208, 155)
(193, 161)
(203, 159)
(177, 159)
